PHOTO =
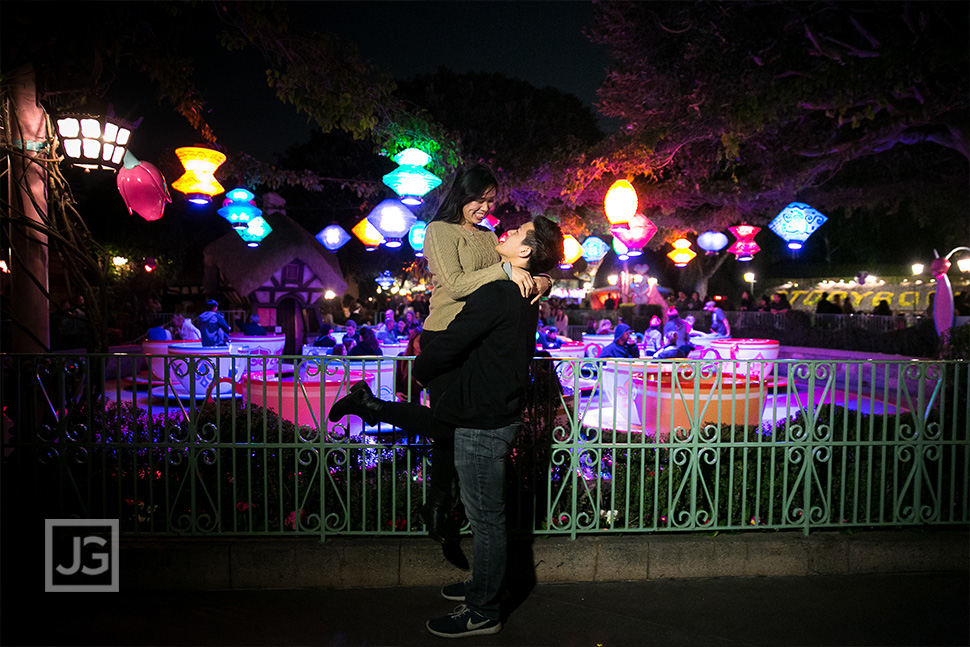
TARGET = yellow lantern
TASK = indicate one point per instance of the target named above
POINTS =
(682, 254)
(368, 234)
(621, 202)
(571, 251)
(199, 183)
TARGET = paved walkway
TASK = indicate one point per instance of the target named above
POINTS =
(874, 609)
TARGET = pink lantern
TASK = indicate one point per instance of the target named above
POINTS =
(144, 191)
(636, 233)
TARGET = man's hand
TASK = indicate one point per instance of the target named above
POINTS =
(542, 285)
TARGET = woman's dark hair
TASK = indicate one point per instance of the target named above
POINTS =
(469, 184)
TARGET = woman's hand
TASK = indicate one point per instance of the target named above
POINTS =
(542, 283)
(524, 280)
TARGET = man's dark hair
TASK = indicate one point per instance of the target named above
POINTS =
(470, 184)
(546, 243)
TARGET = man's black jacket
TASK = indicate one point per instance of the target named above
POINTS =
(489, 347)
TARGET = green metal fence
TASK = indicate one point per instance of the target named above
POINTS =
(240, 446)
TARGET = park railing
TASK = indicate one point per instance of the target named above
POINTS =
(238, 445)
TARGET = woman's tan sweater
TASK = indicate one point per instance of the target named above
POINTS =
(460, 261)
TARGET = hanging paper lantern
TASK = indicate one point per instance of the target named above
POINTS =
(410, 180)
(333, 237)
(385, 280)
(620, 202)
(744, 248)
(367, 234)
(796, 222)
(239, 208)
(572, 250)
(143, 189)
(94, 142)
(416, 237)
(412, 157)
(594, 249)
(636, 233)
(199, 183)
(712, 241)
(682, 254)
(393, 220)
(622, 252)
(256, 230)
(490, 222)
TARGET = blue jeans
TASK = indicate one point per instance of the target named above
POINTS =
(480, 460)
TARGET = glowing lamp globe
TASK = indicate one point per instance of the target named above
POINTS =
(199, 183)
(385, 280)
(682, 254)
(333, 237)
(416, 237)
(636, 233)
(94, 142)
(620, 202)
(796, 222)
(411, 180)
(594, 249)
(256, 230)
(393, 220)
(367, 234)
(238, 208)
(572, 250)
(712, 241)
(143, 189)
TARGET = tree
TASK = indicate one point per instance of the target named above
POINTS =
(732, 110)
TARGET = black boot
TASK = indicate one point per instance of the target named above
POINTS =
(359, 401)
(434, 514)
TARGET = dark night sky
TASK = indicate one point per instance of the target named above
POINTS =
(539, 42)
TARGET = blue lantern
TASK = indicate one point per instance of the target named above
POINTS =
(712, 241)
(594, 249)
(238, 208)
(393, 220)
(796, 222)
(416, 237)
(256, 230)
(333, 237)
(385, 280)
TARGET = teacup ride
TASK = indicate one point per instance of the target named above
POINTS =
(593, 344)
(266, 351)
(753, 357)
(193, 371)
(572, 372)
(156, 350)
(305, 398)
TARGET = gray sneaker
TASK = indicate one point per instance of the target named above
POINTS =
(455, 591)
(463, 622)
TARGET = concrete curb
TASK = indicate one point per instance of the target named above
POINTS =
(352, 562)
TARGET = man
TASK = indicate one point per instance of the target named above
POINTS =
(252, 327)
(550, 338)
(484, 355)
(653, 337)
(622, 345)
(213, 326)
(676, 325)
(387, 331)
(720, 328)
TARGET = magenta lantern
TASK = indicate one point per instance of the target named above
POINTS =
(144, 191)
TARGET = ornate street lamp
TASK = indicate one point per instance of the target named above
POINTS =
(94, 142)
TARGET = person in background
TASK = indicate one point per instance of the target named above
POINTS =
(675, 324)
(671, 347)
(368, 344)
(883, 309)
(720, 327)
(765, 305)
(622, 345)
(777, 306)
(653, 338)
(215, 330)
(847, 307)
(560, 320)
(387, 331)
(694, 303)
(252, 327)
(404, 370)
(837, 304)
(747, 303)
(551, 340)
(350, 332)
(159, 333)
(402, 330)
(187, 330)
(604, 327)
(324, 338)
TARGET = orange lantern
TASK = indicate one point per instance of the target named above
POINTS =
(621, 202)
(368, 234)
(682, 254)
(199, 183)
(571, 251)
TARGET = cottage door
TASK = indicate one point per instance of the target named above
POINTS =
(289, 316)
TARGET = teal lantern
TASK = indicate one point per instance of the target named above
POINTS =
(256, 230)
(238, 208)
(416, 237)
(594, 249)
(796, 222)
(411, 180)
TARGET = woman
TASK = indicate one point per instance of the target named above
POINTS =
(461, 258)
(368, 344)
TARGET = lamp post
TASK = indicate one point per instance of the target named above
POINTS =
(749, 277)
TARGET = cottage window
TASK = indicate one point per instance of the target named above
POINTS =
(291, 274)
